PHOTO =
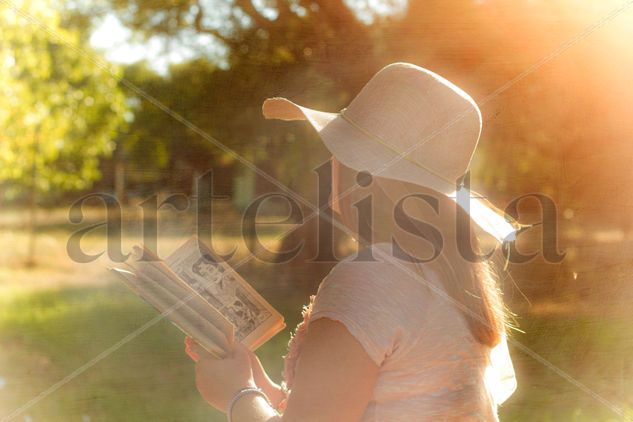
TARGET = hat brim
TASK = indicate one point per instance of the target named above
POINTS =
(354, 148)
(358, 151)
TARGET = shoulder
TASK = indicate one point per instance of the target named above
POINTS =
(384, 286)
(377, 269)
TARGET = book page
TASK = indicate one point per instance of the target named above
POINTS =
(255, 320)
(158, 271)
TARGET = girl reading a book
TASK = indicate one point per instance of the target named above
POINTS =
(412, 326)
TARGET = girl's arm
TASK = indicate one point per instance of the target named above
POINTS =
(334, 380)
(335, 377)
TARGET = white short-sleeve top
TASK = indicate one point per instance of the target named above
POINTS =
(431, 367)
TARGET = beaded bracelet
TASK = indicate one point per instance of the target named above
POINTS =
(243, 392)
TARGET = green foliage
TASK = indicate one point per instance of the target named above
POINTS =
(226, 106)
(59, 108)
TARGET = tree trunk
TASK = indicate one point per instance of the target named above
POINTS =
(32, 223)
(119, 176)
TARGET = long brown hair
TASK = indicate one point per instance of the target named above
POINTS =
(472, 286)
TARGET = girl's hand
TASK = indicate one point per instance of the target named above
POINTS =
(218, 380)
(273, 391)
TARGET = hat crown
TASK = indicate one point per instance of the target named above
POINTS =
(421, 115)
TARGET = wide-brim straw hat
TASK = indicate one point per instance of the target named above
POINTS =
(408, 124)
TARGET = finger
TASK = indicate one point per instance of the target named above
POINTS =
(201, 352)
(241, 352)
(190, 341)
(193, 355)
(195, 347)
(189, 349)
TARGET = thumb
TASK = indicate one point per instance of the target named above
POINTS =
(241, 352)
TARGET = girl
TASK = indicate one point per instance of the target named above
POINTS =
(412, 327)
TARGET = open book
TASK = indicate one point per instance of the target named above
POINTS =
(203, 296)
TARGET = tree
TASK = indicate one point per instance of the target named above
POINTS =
(542, 133)
(272, 49)
(59, 108)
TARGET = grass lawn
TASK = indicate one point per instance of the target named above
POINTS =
(48, 334)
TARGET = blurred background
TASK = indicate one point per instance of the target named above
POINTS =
(128, 97)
